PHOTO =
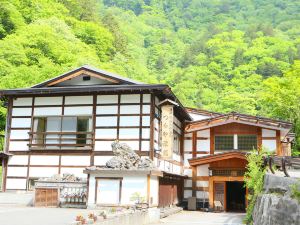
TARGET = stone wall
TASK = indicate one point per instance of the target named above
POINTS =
(275, 206)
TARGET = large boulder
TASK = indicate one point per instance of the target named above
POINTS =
(126, 158)
(276, 206)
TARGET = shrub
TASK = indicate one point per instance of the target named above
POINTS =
(254, 180)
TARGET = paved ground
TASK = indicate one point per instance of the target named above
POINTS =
(202, 218)
(20, 215)
(13, 215)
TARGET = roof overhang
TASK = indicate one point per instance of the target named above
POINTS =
(217, 157)
(119, 172)
(239, 118)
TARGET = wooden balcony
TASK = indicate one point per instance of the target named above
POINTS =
(61, 140)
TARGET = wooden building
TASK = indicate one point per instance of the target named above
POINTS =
(68, 123)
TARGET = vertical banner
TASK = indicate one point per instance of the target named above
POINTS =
(167, 131)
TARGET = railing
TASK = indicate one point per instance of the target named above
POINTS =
(282, 163)
(61, 140)
(73, 195)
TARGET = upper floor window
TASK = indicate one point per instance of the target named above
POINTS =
(224, 142)
(62, 132)
(247, 142)
(235, 142)
(176, 143)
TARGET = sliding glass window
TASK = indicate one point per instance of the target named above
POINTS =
(63, 132)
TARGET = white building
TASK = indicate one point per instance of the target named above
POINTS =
(68, 123)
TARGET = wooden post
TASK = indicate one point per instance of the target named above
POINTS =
(211, 192)
(278, 143)
(259, 138)
(212, 141)
(194, 180)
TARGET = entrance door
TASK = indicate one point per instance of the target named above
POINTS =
(219, 195)
(235, 196)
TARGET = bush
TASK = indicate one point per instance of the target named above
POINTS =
(295, 189)
(254, 180)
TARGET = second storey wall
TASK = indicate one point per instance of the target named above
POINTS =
(125, 117)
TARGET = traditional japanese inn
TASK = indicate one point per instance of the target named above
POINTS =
(127, 138)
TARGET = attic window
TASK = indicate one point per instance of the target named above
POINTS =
(86, 77)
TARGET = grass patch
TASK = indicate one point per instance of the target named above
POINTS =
(295, 191)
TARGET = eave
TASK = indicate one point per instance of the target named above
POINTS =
(238, 118)
(160, 89)
(217, 157)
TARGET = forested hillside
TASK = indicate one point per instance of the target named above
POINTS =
(220, 55)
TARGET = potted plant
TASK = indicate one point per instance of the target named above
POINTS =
(140, 201)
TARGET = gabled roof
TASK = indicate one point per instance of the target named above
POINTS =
(234, 117)
(217, 157)
(202, 112)
(88, 70)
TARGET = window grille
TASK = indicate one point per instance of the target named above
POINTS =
(224, 142)
(247, 142)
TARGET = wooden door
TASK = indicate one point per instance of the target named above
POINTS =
(47, 197)
(219, 196)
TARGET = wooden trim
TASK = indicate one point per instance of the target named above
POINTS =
(118, 117)
(122, 114)
(152, 114)
(269, 138)
(225, 196)
(4, 174)
(259, 138)
(194, 145)
(194, 181)
(212, 140)
(93, 130)
(181, 150)
(237, 118)
(202, 178)
(218, 157)
(278, 143)
(211, 193)
(80, 72)
(140, 126)
(148, 189)
(28, 170)
(59, 164)
(197, 188)
(8, 124)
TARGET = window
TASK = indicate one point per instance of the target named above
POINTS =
(176, 143)
(53, 132)
(224, 142)
(247, 142)
(108, 191)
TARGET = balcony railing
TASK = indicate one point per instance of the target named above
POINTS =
(61, 140)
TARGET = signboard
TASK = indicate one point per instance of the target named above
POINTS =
(167, 131)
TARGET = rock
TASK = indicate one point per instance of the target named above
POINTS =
(275, 206)
(126, 158)
(146, 163)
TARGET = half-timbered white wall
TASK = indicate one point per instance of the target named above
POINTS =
(125, 117)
